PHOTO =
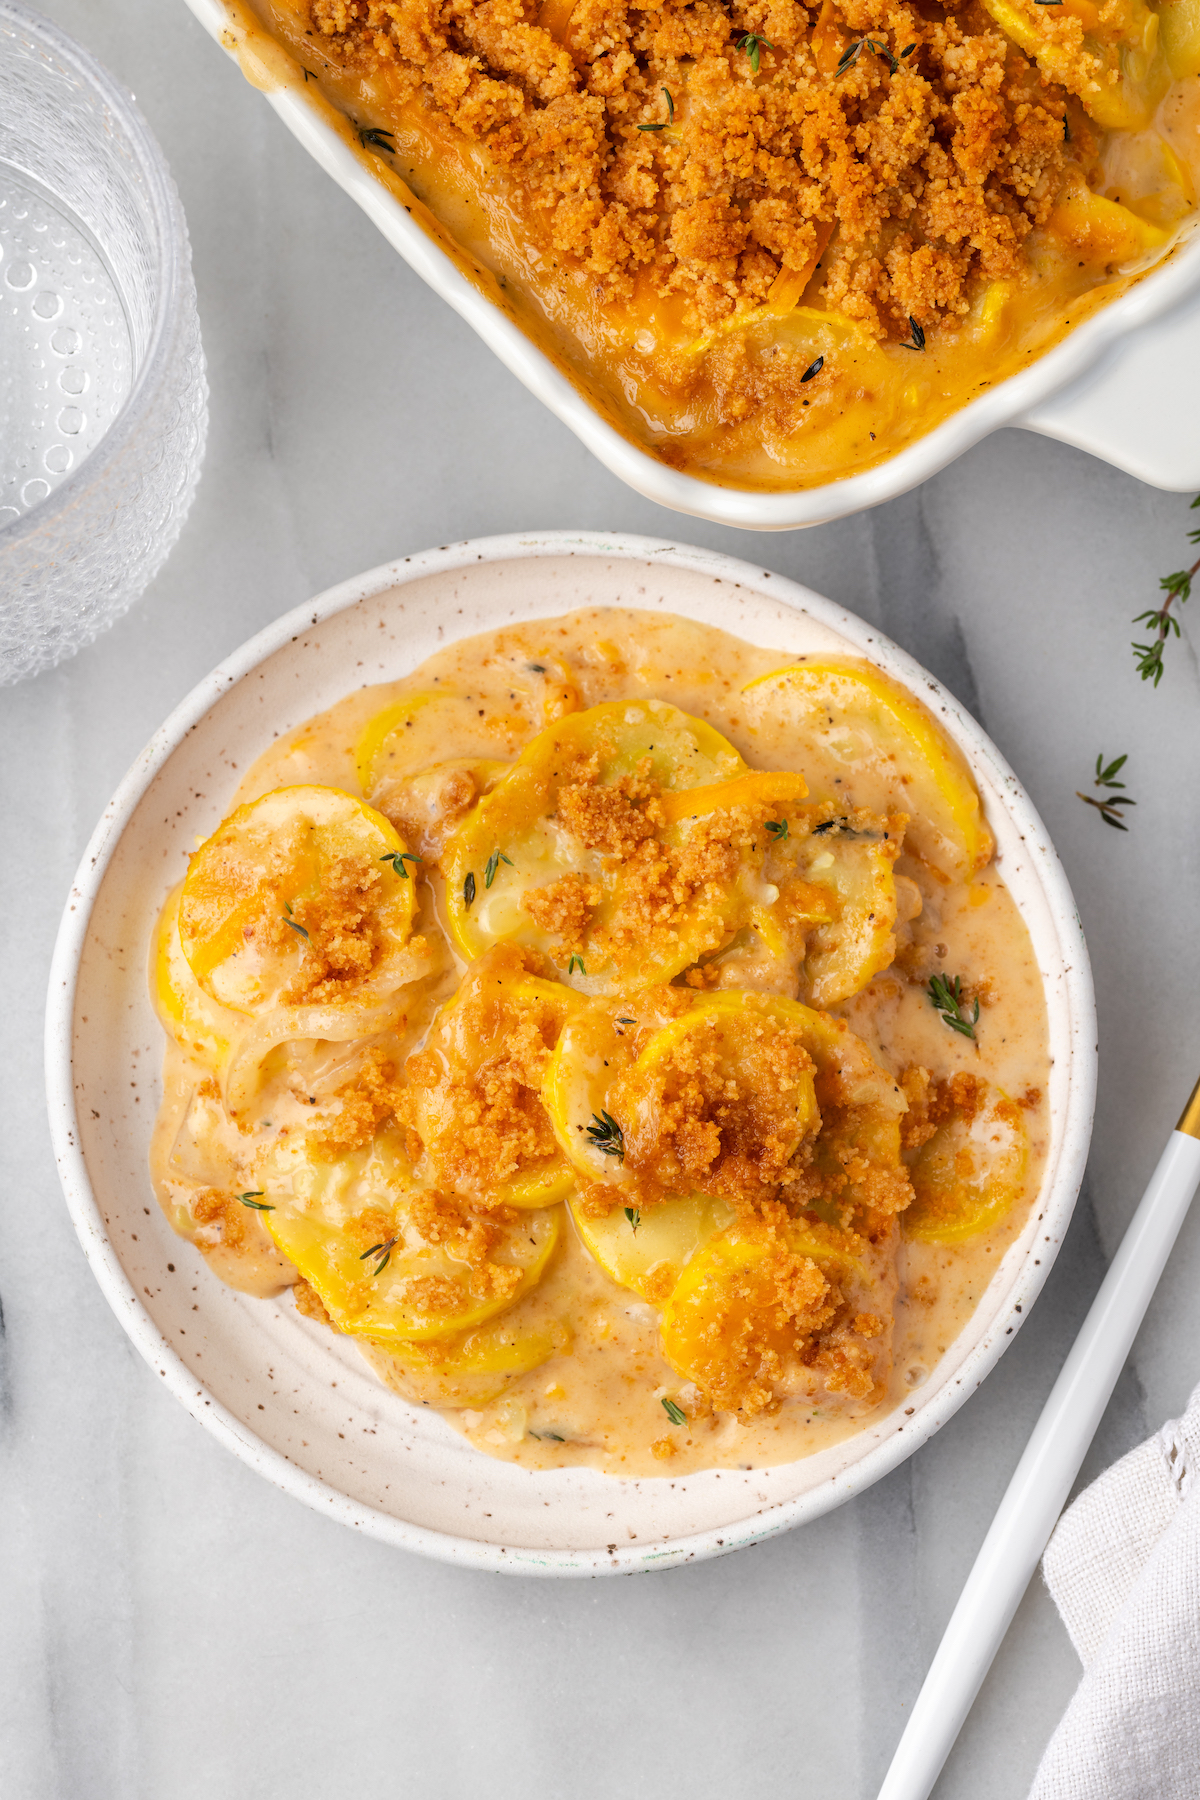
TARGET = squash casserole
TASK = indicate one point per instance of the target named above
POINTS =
(772, 242)
(620, 1034)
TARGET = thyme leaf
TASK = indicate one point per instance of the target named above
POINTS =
(493, 863)
(852, 52)
(1106, 777)
(576, 962)
(469, 889)
(945, 994)
(384, 1254)
(1148, 658)
(374, 139)
(294, 925)
(398, 861)
(813, 370)
(918, 336)
(663, 123)
(778, 829)
(752, 44)
(606, 1135)
(554, 1436)
(253, 1199)
(675, 1413)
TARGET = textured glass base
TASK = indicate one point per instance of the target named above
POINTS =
(66, 352)
(103, 401)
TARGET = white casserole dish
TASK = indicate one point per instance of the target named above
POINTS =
(1122, 385)
(300, 1405)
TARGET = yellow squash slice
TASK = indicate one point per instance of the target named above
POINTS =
(647, 1251)
(411, 733)
(302, 896)
(1142, 171)
(749, 1307)
(1179, 26)
(389, 1260)
(474, 1090)
(869, 743)
(573, 854)
(835, 905)
(1103, 230)
(410, 737)
(475, 1367)
(597, 1044)
(196, 1021)
(426, 807)
(672, 1094)
(1117, 67)
(970, 1173)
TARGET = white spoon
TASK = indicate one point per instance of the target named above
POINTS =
(1036, 1494)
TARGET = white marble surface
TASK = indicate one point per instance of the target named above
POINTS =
(172, 1627)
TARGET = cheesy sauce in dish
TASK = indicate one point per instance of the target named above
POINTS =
(621, 1033)
(772, 242)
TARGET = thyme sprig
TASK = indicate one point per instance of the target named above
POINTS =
(634, 1216)
(606, 1135)
(398, 861)
(576, 962)
(945, 994)
(383, 1252)
(288, 919)
(778, 829)
(670, 118)
(1106, 777)
(753, 44)
(493, 863)
(253, 1198)
(374, 139)
(852, 52)
(918, 336)
(675, 1413)
(1162, 621)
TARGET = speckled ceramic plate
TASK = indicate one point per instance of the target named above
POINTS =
(300, 1405)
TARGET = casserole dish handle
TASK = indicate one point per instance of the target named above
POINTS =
(1137, 408)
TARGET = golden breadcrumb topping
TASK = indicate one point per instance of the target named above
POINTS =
(564, 908)
(364, 1105)
(718, 1119)
(931, 1103)
(223, 1214)
(656, 149)
(343, 942)
(473, 1094)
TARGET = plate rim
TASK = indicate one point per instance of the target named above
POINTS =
(323, 1496)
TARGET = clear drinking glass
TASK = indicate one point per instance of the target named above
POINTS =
(103, 398)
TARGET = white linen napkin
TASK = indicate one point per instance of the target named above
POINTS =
(1123, 1566)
